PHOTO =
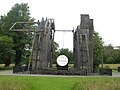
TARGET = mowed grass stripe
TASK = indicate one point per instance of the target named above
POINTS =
(58, 83)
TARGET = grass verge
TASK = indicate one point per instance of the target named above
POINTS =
(58, 83)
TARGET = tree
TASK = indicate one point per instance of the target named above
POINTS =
(67, 52)
(97, 50)
(18, 13)
(6, 44)
(108, 54)
(111, 54)
(55, 52)
(116, 56)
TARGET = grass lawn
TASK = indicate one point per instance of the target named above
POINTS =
(111, 66)
(58, 83)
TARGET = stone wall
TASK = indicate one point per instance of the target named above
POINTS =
(83, 48)
(42, 51)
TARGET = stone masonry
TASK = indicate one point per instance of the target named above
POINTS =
(83, 48)
(42, 46)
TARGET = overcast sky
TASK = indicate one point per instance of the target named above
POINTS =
(106, 15)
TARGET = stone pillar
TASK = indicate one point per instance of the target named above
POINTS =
(83, 48)
(42, 55)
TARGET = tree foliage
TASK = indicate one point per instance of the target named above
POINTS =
(111, 55)
(67, 52)
(97, 49)
(106, 53)
(63, 51)
(55, 52)
(18, 13)
(6, 44)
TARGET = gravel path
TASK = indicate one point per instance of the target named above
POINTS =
(10, 72)
(6, 72)
(116, 74)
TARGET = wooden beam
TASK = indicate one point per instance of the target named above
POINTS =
(28, 30)
(22, 23)
(26, 22)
